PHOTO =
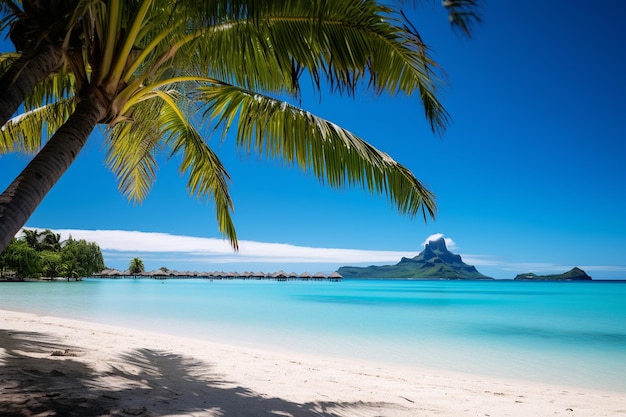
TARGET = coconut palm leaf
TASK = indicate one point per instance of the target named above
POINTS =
(207, 175)
(161, 119)
(346, 44)
(131, 150)
(337, 157)
(57, 86)
(462, 14)
(6, 59)
(25, 133)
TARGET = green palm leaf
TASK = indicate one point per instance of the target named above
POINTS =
(6, 59)
(158, 121)
(207, 175)
(132, 146)
(57, 86)
(25, 132)
(337, 157)
(346, 43)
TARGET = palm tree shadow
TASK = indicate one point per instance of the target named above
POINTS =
(37, 377)
(40, 376)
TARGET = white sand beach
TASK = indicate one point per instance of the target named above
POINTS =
(58, 367)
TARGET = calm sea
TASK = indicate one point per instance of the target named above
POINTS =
(571, 333)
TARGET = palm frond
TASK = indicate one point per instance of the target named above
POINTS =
(346, 43)
(335, 156)
(131, 151)
(6, 60)
(27, 131)
(154, 122)
(59, 85)
(462, 14)
(207, 175)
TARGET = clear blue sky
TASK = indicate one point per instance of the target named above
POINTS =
(530, 176)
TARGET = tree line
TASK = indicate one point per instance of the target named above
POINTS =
(38, 254)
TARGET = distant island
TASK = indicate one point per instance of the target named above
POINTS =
(574, 274)
(434, 262)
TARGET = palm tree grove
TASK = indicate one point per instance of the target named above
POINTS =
(166, 76)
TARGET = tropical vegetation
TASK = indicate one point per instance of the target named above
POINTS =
(135, 266)
(42, 254)
(170, 75)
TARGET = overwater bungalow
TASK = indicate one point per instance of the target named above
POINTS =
(280, 275)
(335, 276)
(160, 273)
(319, 276)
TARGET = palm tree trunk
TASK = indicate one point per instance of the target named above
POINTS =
(21, 198)
(25, 73)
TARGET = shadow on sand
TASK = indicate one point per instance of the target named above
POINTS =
(40, 376)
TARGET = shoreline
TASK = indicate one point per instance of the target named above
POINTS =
(86, 369)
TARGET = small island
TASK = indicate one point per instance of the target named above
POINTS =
(574, 274)
(434, 262)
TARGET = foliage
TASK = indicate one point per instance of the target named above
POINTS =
(42, 241)
(21, 259)
(574, 274)
(136, 266)
(81, 258)
(52, 264)
(42, 254)
(166, 76)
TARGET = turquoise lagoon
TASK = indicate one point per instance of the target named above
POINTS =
(569, 333)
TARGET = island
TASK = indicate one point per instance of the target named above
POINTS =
(434, 262)
(574, 274)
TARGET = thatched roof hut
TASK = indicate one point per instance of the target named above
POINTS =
(335, 276)
(279, 274)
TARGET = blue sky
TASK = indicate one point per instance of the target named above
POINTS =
(529, 177)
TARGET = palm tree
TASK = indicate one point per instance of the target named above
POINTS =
(136, 266)
(144, 66)
(50, 241)
(32, 238)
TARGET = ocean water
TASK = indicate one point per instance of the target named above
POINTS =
(569, 333)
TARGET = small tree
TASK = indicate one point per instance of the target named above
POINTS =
(81, 258)
(32, 237)
(5, 261)
(51, 263)
(136, 266)
(50, 241)
(21, 259)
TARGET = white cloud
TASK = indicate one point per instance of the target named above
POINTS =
(116, 242)
(450, 244)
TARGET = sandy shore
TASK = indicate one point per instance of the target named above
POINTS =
(53, 366)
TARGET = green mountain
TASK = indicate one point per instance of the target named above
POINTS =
(574, 274)
(434, 262)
